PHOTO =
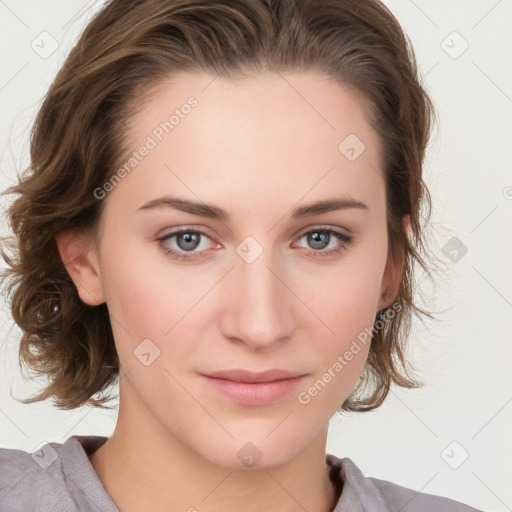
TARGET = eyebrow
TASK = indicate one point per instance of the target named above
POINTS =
(214, 212)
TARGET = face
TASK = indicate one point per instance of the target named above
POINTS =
(259, 287)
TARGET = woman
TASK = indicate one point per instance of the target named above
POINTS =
(222, 210)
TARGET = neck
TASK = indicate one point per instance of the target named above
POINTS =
(142, 466)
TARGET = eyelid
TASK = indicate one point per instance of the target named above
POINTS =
(185, 229)
(326, 227)
(177, 255)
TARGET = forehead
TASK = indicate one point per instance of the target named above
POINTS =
(274, 136)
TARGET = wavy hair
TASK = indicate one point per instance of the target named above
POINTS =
(78, 139)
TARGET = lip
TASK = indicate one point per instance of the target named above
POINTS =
(254, 388)
(242, 375)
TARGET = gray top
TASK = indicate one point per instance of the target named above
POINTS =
(60, 478)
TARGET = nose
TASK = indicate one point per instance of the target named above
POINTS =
(259, 307)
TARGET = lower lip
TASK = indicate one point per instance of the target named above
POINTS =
(257, 393)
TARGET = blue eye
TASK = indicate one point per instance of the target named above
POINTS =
(187, 240)
(321, 237)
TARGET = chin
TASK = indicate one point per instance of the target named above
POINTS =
(252, 452)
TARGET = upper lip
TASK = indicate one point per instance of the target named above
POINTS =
(241, 375)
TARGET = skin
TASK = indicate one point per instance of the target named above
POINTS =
(257, 147)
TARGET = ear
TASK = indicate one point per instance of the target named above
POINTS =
(393, 273)
(80, 259)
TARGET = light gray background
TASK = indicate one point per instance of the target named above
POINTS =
(418, 438)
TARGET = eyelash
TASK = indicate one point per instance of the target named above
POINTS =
(183, 256)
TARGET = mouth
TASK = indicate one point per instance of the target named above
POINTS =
(254, 388)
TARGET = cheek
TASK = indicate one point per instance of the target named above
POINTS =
(345, 304)
(143, 292)
(155, 311)
(345, 294)
(344, 301)
(326, 390)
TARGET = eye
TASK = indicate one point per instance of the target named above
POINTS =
(322, 237)
(187, 243)
(187, 240)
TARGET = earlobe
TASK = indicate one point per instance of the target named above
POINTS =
(390, 285)
(393, 273)
(406, 223)
(80, 259)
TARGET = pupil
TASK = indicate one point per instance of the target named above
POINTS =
(190, 240)
(319, 237)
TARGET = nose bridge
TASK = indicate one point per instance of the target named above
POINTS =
(260, 302)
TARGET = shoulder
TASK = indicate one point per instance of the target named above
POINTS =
(27, 477)
(409, 500)
(367, 493)
(50, 478)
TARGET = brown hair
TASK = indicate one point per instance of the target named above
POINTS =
(79, 137)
